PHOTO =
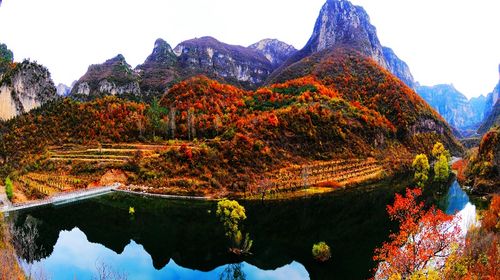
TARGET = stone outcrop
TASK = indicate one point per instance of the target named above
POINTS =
(159, 70)
(275, 51)
(113, 77)
(235, 64)
(23, 86)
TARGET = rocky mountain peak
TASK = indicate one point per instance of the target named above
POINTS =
(274, 50)
(115, 76)
(463, 114)
(120, 59)
(6, 54)
(162, 53)
(23, 86)
(235, 64)
(341, 23)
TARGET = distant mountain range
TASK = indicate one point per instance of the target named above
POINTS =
(339, 24)
(463, 114)
(247, 67)
(267, 103)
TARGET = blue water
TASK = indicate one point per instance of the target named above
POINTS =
(74, 257)
(456, 199)
(169, 239)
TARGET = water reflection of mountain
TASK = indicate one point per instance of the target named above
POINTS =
(456, 199)
(353, 222)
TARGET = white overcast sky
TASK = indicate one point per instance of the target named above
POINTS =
(443, 41)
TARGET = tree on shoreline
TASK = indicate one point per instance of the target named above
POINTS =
(441, 166)
(421, 167)
(231, 213)
(424, 240)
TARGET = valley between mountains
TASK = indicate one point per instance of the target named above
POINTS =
(327, 136)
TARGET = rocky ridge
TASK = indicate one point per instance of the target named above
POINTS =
(275, 51)
(342, 24)
(23, 86)
(464, 114)
(113, 77)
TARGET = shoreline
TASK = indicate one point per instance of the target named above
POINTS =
(61, 198)
(165, 196)
(70, 197)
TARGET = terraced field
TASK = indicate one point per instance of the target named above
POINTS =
(112, 153)
(40, 184)
(335, 173)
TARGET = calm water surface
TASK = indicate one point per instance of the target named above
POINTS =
(169, 239)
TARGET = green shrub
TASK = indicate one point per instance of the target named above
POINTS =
(9, 188)
(321, 252)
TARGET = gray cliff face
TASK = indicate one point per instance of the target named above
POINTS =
(275, 51)
(113, 77)
(247, 67)
(454, 107)
(24, 87)
(492, 109)
(492, 98)
(492, 120)
(398, 67)
(341, 24)
(218, 60)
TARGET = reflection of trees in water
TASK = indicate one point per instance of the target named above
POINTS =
(233, 272)
(24, 239)
(106, 272)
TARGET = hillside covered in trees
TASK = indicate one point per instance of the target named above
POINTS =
(219, 138)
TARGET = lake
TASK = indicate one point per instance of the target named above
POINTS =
(180, 239)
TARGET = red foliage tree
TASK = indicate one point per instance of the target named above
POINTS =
(425, 238)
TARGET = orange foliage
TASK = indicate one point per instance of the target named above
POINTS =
(273, 120)
(459, 166)
(423, 236)
(491, 219)
(330, 184)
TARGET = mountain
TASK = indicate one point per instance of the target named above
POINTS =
(398, 67)
(463, 114)
(492, 120)
(363, 82)
(491, 109)
(113, 77)
(342, 24)
(493, 97)
(247, 67)
(63, 90)
(483, 169)
(275, 51)
(159, 70)
(23, 86)
(237, 65)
